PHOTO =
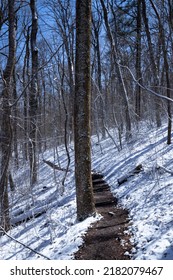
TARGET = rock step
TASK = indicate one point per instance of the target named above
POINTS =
(96, 181)
(101, 189)
(104, 203)
(100, 185)
(103, 240)
(97, 176)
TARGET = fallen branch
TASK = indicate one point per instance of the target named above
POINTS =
(134, 171)
(54, 166)
(24, 245)
(27, 215)
(164, 169)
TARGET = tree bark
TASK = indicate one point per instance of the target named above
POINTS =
(153, 62)
(166, 65)
(33, 97)
(101, 112)
(6, 128)
(84, 189)
(138, 61)
(14, 123)
(26, 76)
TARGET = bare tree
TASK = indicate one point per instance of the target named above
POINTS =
(85, 201)
(33, 97)
(6, 128)
(138, 60)
(63, 14)
(96, 26)
(154, 67)
(122, 87)
(166, 66)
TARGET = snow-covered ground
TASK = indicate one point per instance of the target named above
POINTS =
(54, 231)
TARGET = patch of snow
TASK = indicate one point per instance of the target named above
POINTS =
(56, 233)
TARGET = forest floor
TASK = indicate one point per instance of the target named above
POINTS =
(106, 239)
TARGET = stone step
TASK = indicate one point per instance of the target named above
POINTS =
(99, 183)
(97, 176)
(103, 186)
(104, 203)
(101, 189)
(97, 180)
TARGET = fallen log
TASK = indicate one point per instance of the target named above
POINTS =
(131, 173)
(54, 166)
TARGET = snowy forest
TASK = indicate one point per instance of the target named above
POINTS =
(86, 129)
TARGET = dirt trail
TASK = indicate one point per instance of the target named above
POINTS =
(106, 239)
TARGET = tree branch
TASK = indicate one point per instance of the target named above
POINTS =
(26, 246)
(54, 166)
(144, 87)
(41, 67)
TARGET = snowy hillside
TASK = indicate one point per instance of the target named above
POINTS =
(46, 221)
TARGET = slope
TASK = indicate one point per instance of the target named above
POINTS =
(147, 196)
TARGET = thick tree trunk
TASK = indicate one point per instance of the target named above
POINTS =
(84, 190)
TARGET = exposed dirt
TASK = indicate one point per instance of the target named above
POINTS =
(105, 239)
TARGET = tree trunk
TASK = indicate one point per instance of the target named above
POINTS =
(33, 97)
(26, 77)
(14, 124)
(122, 87)
(6, 128)
(101, 114)
(84, 190)
(138, 62)
(166, 65)
(153, 63)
